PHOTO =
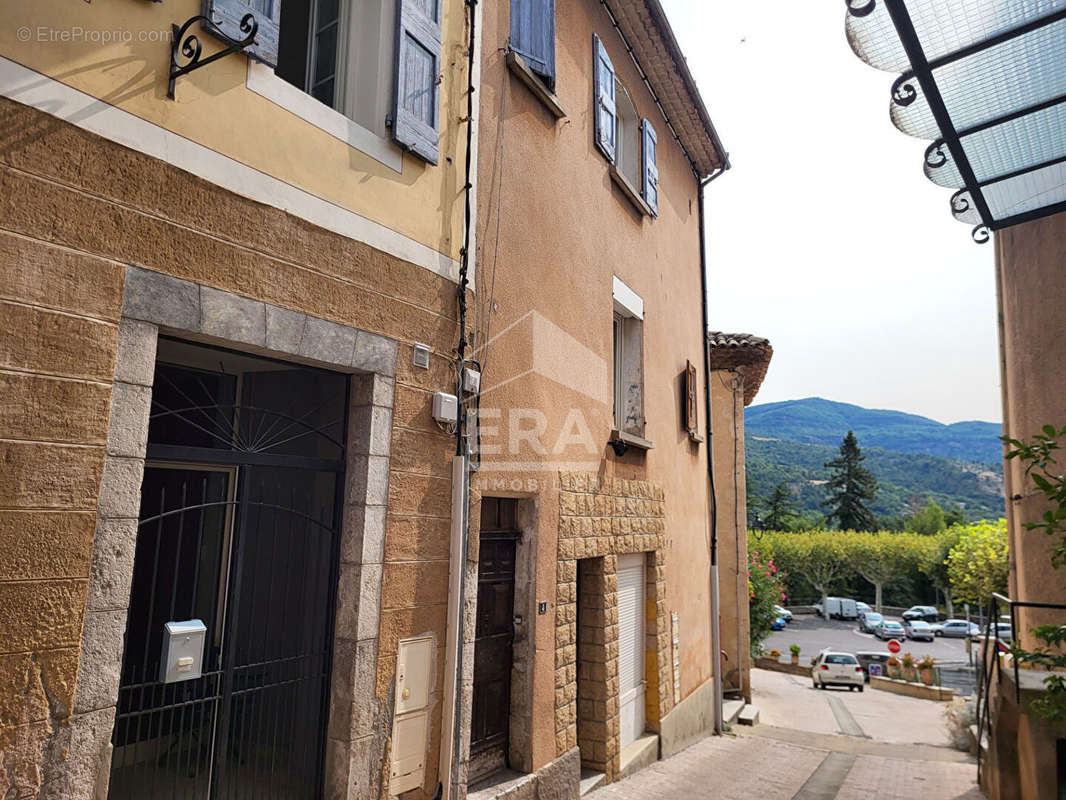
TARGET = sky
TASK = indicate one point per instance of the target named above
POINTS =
(825, 236)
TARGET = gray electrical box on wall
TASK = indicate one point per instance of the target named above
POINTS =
(183, 651)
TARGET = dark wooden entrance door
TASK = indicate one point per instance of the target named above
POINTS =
(492, 643)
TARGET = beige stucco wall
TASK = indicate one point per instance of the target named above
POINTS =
(727, 424)
(213, 107)
(1031, 259)
(553, 230)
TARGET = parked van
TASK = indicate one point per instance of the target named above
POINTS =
(840, 608)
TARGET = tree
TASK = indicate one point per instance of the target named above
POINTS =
(928, 520)
(781, 513)
(954, 516)
(849, 488)
(817, 556)
(934, 564)
(883, 558)
(978, 564)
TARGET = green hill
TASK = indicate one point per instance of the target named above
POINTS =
(902, 477)
(819, 421)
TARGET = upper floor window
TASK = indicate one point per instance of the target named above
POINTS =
(629, 143)
(533, 36)
(378, 62)
(628, 364)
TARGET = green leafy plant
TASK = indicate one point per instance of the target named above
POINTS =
(764, 591)
(926, 662)
(794, 649)
(908, 661)
(1041, 468)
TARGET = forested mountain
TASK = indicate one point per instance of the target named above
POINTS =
(911, 456)
(818, 421)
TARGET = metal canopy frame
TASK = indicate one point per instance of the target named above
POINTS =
(922, 70)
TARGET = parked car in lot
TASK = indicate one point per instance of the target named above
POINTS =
(869, 622)
(784, 613)
(918, 629)
(958, 629)
(1002, 631)
(837, 669)
(862, 607)
(839, 608)
(866, 658)
(890, 629)
(928, 613)
(778, 624)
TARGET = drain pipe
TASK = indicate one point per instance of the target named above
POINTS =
(716, 625)
(451, 746)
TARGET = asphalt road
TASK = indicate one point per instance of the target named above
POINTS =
(813, 634)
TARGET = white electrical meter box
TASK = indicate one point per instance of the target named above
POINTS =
(410, 728)
(183, 651)
(445, 407)
(471, 380)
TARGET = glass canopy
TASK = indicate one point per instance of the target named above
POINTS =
(986, 81)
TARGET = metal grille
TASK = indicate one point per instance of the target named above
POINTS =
(245, 538)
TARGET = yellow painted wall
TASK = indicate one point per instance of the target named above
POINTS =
(67, 40)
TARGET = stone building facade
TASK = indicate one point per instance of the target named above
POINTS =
(234, 230)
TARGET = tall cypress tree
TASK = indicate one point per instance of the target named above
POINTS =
(850, 487)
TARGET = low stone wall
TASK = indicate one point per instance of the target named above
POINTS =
(910, 689)
(763, 662)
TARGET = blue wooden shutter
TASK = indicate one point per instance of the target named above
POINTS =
(650, 182)
(606, 115)
(227, 14)
(533, 35)
(415, 123)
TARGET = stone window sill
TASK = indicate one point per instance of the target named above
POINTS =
(622, 440)
(521, 70)
(630, 191)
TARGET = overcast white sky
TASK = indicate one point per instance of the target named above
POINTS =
(826, 237)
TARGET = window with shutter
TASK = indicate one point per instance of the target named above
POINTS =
(606, 132)
(341, 52)
(650, 185)
(415, 126)
(533, 36)
(227, 14)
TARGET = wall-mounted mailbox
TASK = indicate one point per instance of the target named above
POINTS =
(183, 651)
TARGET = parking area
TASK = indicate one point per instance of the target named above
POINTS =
(813, 634)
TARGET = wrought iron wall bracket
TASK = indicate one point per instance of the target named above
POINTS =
(191, 48)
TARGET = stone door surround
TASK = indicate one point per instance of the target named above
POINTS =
(155, 303)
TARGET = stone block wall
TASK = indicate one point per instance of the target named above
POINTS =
(75, 212)
(601, 518)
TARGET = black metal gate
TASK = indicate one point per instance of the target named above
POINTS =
(239, 528)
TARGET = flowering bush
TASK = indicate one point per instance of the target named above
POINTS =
(765, 590)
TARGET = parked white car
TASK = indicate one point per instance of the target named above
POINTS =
(918, 629)
(784, 613)
(837, 669)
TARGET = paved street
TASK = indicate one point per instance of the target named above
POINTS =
(816, 745)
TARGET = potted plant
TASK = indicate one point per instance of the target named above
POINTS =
(909, 672)
(925, 669)
(892, 667)
(794, 649)
(775, 654)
